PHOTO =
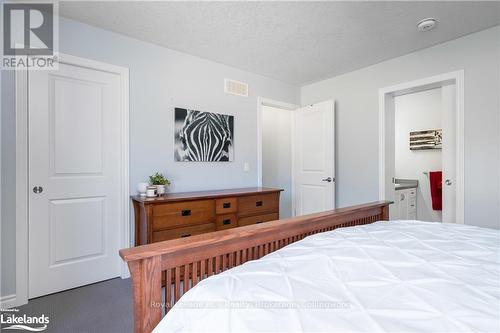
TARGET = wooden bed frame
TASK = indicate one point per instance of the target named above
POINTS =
(198, 257)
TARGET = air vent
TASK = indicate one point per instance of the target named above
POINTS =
(235, 88)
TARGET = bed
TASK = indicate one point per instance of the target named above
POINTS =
(339, 271)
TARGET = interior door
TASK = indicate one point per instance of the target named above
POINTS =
(74, 177)
(449, 153)
(313, 142)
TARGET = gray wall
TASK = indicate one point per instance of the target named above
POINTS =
(356, 96)
(160, 79)
(277, 154)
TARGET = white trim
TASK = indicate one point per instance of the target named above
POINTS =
(22, 139)
(8, 301)
(126, 240)
(21, 188)
(294, 166)
(261, 101)
(456, 78)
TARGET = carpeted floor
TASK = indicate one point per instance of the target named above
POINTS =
(104, 307)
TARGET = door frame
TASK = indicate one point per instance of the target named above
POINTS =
(22, 168)
(386, 101)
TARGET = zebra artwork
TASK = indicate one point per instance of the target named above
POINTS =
(203, 136)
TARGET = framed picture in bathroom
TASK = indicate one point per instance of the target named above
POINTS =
(428, 139)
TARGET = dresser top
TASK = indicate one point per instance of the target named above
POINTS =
(182, 196)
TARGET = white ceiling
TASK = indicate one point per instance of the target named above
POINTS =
(295, 42)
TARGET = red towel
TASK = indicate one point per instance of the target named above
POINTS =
(436, 180)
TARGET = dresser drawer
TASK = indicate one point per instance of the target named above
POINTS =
(255, 204)
(163, 235)
(226, 205)
(257, 219)
(227, 221)
(174, 215)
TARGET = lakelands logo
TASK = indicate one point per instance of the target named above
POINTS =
(29, 35)
(10, 320)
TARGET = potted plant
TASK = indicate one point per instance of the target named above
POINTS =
(160, 182)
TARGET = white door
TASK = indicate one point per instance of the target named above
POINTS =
(449, 152)
(74, 178)
(313, 142)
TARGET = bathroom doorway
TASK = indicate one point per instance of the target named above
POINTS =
(421, 148)
(418, 156)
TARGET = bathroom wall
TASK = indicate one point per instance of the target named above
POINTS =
(416, 112)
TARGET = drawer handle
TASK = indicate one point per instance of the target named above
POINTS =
(186, 212)
(185, 235)
(258, 203)
(226, 205)
(226, 221)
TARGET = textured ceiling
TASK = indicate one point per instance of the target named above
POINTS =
(295, 42)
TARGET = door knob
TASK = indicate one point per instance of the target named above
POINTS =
(329, 179)
(448, 182)
(37, 189)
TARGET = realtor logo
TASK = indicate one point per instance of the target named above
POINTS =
(10, 319)
(29, 35)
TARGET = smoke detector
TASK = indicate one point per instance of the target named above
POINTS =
(427, 24)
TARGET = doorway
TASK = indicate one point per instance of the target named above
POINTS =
(421, 139)
(274, 149)
(296, 153)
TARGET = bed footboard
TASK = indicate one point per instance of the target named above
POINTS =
(181, 263)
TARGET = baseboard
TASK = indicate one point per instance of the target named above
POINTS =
(8, 301)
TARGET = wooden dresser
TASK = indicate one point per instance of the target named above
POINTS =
(177, 215)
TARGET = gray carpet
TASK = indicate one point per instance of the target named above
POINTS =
(101, 308)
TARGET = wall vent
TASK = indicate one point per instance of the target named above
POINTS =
(235, 87)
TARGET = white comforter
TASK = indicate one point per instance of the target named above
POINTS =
(401, 276)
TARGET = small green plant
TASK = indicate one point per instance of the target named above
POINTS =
(158, 179)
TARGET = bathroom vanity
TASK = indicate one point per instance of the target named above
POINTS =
(405, 203)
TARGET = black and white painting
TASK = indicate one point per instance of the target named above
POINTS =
(203, 136)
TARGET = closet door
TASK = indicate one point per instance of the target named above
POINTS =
(75, 165)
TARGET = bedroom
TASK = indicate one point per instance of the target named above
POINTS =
(156, 57)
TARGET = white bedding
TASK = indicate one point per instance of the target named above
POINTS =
(401, 276)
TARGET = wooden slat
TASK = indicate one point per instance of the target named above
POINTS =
(218, 265)
(238, 258)
(223, 262)
(194, 276)
(203, 264)
(168, 289)
(210, 266)
(244, 255)
(177, 285)
(185, 283)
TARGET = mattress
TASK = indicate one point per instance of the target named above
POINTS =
(398, 276)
